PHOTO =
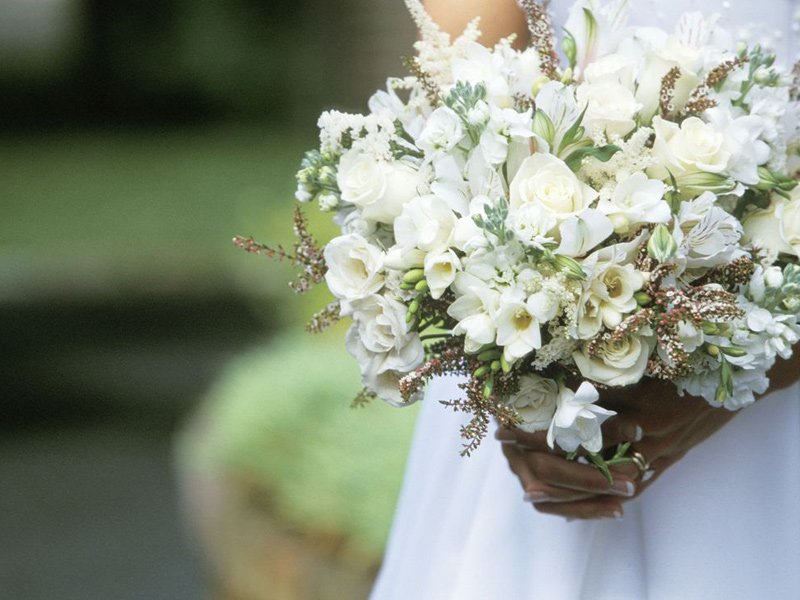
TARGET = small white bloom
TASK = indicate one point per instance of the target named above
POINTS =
(426, 223)
(474, 309)
(355, 267)
(693, 146)
(518, 319)
(530, 224)
(581, 233)
(610, 107)
(707, 235)
(636, 200)
(578, 420)
(535, 402)
(443, 131)
(440, 271)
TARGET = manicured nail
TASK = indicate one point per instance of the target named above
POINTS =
(623, 488)
(633, 433)
(535, 497)
(648, 475)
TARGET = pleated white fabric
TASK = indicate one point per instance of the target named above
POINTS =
(722, 524)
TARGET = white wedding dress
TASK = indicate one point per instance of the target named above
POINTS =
(722, 524)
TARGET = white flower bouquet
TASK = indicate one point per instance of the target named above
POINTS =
(547, 228)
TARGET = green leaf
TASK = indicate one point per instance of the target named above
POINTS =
(603, 154)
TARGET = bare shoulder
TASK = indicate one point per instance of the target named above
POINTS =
(499, 18)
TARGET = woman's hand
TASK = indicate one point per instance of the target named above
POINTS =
(662, 426)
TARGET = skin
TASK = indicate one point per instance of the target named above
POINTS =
(662, 425)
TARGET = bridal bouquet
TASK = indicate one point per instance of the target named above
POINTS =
(549, 227)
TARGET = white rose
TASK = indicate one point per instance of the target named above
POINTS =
(355, 267)
(546, 181)
(442, 132)
(379, 339)
(384, 383)
(610, 107)
(402, 182)
(693, 146)
(361, 179)
(616, 363)
(637, 199)
(426, 223)
(535, 402)
(440, 271)
(776, 228)
(578, 420)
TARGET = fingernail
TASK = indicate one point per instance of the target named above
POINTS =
(617, 514)
(648, 475)
(623, 488)
(634, 434)
(535, 497)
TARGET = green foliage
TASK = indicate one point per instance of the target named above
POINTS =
(280, 416)
(495, 221)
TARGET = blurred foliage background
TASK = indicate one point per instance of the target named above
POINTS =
(168, 430)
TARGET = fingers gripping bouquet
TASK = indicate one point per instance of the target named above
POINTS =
(549, 227)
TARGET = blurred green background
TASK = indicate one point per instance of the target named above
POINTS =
(169, 431)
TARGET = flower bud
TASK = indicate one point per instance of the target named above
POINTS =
(642, 299)
(712, 349)
(710, 328)
(569, 266)
(762, 76)
(694, 184)
(773, 277)
(414, 276)
(543, 127)
(661, 245)
(566, 76)
(481, 372)
(734, 351)
(570, 48)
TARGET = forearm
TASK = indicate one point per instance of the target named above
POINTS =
(499, 18)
